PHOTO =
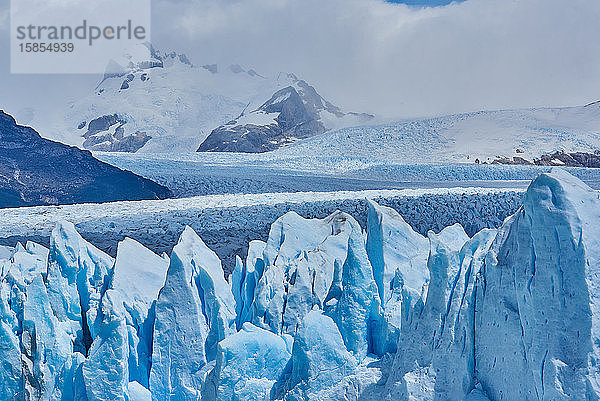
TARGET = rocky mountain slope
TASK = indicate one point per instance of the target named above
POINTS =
(292, 113)
(37, 171)
(322, 310)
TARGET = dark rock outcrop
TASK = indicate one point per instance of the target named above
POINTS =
(295, 113)
(37, 171)
(574, 159)
(101, 136)
(559, 158)
(294, 120)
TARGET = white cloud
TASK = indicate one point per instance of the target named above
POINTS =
(4, 19)
(368, 55)
(374, 56)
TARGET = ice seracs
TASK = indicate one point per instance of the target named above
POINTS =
(396, 251)
(138, 276)
(250, 274)
(435, 356)
(248, 364)
(137, 392)
(180, 329)
(106, 370)
(320, 311)
(398, 256)
(320, 360)
(10, 348)
(77, 277)
(301, 266)
(217, 299)
(195, 310)
(25, 262)
(358, 311)
(45, 344)
(537, 314)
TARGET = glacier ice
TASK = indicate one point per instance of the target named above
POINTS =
(180, 328)
(106, 370)
(137, 392)
(320, 311)
(138, 276)
(435, 357)
(77, 276)
(319, 358)
(453, 237)
(217, 298)
(236, 279)
(45, 343)
(252, 272)
(301, 267)
(5, 253)
(538, 312)
(398, 256)
(396, 251)
(358, 312)
(25, 263)
(10, 349)
(195, 310)
(248, 364)
(319, 263)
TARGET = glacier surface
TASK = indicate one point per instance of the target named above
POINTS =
(324, 309)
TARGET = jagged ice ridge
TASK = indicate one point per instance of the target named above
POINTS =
(323, 310)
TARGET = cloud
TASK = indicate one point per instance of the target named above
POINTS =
(399, 60)
(4, 19)
(391, 59)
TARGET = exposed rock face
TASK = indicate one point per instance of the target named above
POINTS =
(290, 121)
(292, 113)
(573, 159)
(559, 158)
(106, 133)
(37, 171)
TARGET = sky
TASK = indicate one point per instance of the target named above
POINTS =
(423, 3)
(394, 60)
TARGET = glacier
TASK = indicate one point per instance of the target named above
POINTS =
(324, 309)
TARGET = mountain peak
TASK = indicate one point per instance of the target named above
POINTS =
(295, 112)
(155, 101)
(30, 163)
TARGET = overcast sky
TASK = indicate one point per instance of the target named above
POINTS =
(368, 55)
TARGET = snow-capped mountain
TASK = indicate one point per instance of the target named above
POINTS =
(484, 136)
(160, 102)
(292, 113)
(37, 171)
